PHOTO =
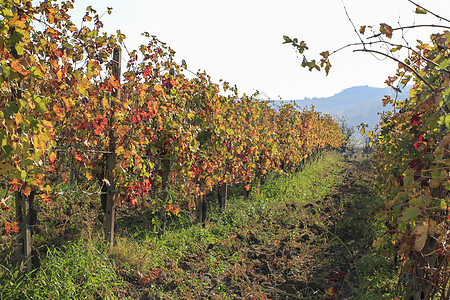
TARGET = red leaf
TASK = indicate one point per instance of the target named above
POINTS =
(77, 156)
(52, 157)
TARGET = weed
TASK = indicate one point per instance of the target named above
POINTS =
(76, 271)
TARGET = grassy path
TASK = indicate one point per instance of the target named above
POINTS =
(306, 236)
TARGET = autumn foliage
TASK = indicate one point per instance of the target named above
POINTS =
(413, 164)
(58, 115)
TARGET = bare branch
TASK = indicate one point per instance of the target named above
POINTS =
(437, 16)
(411, 26)
(392, 45)
(354, 28)
(400, 62)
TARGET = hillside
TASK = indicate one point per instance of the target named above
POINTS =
(359, 104)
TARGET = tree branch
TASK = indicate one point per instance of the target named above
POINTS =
(400, 62)
(392, 45)
(351, 22)
(409, 27)
(437, 16)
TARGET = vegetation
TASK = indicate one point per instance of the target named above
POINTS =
(412, 156)
(295, 239)
(70, 125)
(72, 131)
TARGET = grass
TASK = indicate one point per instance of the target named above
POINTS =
(283, 243)
(75, 271)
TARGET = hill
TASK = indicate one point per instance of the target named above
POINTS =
(358, 104)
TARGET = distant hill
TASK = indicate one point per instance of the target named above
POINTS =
(358, 104)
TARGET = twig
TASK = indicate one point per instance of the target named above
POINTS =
(400, 62)
(411, 26)
(437, 16)
(353, 25)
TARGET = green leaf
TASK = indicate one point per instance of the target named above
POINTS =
(401, 197)
(40, 104)
(7, 149)
(420, 11)
(5, 69)
(417, 202)
(408, 176)
(19, 49)
(411, 213)
(445, 64)
(445, 120)
(287, 40)
(399, 47)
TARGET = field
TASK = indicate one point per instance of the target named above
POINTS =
(306, 236)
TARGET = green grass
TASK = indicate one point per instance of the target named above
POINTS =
(76, 271)
(188, 259)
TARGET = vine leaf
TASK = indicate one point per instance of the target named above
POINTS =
(386, 30)
(421, 234)
(420, 11)
(362, 29)
(411, 213)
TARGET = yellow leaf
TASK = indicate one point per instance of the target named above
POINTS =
(159, 88)
(105, 103)
(18, 119)
(119, 150)
(421, 234)
(52, 157)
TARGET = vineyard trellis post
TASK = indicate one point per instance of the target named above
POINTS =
(110, 190)
(23, 215)
(222, 196)
(202, 207)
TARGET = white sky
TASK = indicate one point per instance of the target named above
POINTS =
(240, 41)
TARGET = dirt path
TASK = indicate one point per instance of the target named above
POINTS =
(293, 252)
(310, 249)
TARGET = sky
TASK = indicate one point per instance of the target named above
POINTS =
(241, 41)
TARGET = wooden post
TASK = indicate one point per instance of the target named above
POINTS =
(222, 196)
(110, 189)
(201, 210)
(23, 215)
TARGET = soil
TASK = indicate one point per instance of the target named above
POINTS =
(298, 252)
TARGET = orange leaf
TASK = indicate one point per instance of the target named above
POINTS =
(26, 191)
(59, 74)
(18, 119)
(176, 210)
(16, 66)
(9, 227)
(77, 156)
(113, 82)
(45, 198)
(159, 88)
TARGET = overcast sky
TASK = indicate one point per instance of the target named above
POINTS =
(240, 41)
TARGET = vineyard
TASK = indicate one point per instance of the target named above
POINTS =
(144, 145)
(73, 123)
